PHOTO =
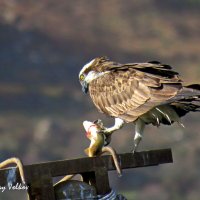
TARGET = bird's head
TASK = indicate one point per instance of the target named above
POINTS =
(91, 71)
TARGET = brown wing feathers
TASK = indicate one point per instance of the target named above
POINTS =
(189, 100)
(129, 91)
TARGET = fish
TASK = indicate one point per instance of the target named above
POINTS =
(96, 139)
(99, 142)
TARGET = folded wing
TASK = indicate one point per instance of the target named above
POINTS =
(128, 91)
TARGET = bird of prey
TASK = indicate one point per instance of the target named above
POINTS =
(142, 93)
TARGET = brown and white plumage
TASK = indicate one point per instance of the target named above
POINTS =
(138, 92)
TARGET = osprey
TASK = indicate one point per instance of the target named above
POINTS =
(142, 93)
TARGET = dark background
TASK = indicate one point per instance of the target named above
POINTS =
(43, 46)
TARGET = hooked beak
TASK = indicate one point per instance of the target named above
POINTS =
(84, 86)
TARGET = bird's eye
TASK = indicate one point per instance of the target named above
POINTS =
(82, 77)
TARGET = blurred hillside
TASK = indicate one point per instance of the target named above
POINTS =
(44, 44)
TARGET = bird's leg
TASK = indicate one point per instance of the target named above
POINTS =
(118, 124)
(139, 129)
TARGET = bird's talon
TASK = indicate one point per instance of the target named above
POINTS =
(107, 131)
